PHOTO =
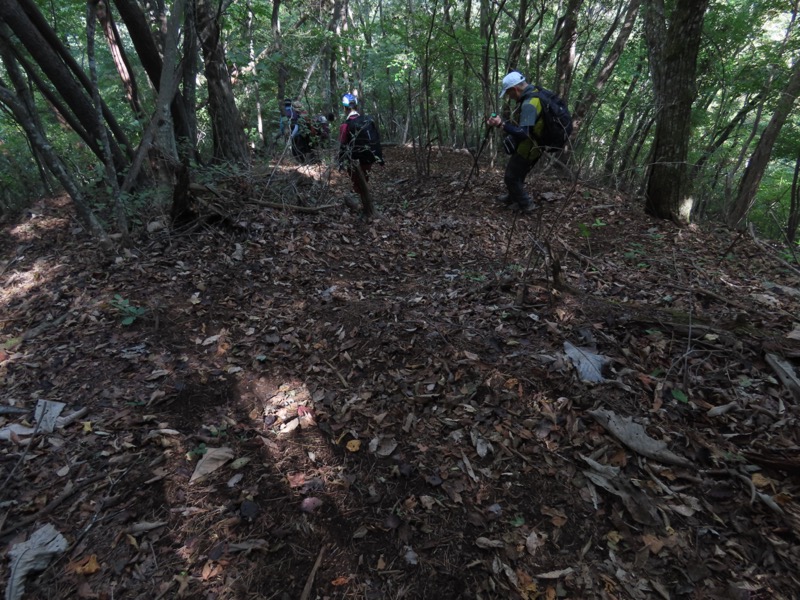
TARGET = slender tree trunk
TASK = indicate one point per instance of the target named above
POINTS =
(51, 61)
(722, 136)
(120, 139)
(673, 62)
(466, 90)
(20, 104)
(565, 63)
(794, 205)
(608, 166)
(748, 186)
(149, 55)
(228, 139)
(110, 173)
(593, 91)
(120, 58)
(184, 98)
(518, 40)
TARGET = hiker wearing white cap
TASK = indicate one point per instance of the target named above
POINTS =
(520, 141)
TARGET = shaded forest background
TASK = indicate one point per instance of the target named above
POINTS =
(687, 103)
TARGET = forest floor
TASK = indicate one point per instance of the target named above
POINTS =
(298, 404)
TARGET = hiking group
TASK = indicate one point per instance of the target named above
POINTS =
(307, 135)
(543, 125)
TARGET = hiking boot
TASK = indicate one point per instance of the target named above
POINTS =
(505, 200)
(525, 207)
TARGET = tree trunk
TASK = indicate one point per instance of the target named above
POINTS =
(794, 205)
(50, 61)
(120, 58)
(593, 91)
(228, 139)
(20, 105)
(565, 62)
(673, 62)
(748, 186)
(722, 136)
(111, 176)
(150, 56)
(518, 40)
(608, 166)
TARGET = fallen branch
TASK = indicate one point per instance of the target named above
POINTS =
(769, 251)
(69, 490)
(32, 333)
(294, 207)
(310, 581)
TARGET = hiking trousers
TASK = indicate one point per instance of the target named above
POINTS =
(365, 168)
(517, 170)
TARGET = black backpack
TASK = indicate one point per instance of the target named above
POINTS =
(557, 120)
(364, 141)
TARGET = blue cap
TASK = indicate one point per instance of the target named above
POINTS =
(349, 100)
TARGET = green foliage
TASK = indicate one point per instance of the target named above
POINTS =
(20, 183)
(128, 312)
(428, 68)
(196, 452)
(680, 395)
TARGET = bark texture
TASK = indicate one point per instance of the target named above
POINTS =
(673, 64)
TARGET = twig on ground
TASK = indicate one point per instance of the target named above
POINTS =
(310, 581)
(70, 489)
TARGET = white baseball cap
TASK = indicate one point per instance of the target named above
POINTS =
(510, 80)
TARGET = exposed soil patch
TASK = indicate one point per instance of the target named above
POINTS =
(403, 408)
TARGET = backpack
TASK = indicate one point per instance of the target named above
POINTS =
(557, 120)
(364, 141)
(322, 127)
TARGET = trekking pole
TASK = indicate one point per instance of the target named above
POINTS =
(478, 156)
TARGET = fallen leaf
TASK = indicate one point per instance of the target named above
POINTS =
(213, 459)
(427, 502)
(588, 364)
(652, 543)
(760, 481)
(144, 527)
(84, 566)
(353, 445)
(486, 543)
(555, 574)
(533, 542)
(33, 555)
(557, 517)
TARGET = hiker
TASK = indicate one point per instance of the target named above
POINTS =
(301, 134)
(321, 130)
(520, 141)
(286, 118)
(359, 141)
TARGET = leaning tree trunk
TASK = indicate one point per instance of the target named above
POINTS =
(150, 56)
(118, 54)
(589, 97)
(673, 63)
(51, 61)
(565, 60)
(111, 177)
(794, 205)
(748, 186)
(229, 141)
(21, 106)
